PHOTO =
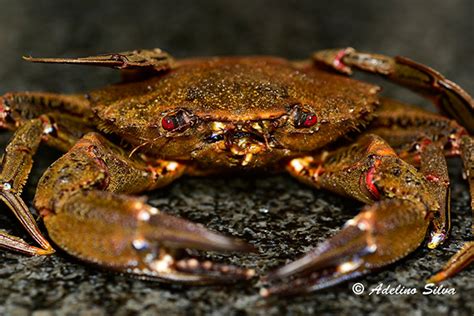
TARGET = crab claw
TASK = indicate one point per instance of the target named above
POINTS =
(128, 235)
(381, 234)
(164, 240)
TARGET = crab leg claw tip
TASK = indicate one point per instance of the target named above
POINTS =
(155, 59)
(463, 258)
(19, 208)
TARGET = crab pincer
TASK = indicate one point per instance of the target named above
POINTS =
(401, 207)
(128, 235)
(155, 247)
(94, 218)
(381, 234)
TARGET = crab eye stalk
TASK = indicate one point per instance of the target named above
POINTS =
(178, 121)
(303, 118)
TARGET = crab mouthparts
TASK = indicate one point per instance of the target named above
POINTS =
(245, 146)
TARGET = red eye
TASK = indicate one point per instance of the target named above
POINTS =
(303, 118)
(310, 120)
(178, 121)
(168, 123)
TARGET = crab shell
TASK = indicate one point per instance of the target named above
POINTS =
(235, 111)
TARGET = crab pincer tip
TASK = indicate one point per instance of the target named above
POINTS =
(438, 277)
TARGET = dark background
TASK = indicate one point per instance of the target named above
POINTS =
(282, 217)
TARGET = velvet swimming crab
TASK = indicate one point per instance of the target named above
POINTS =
(202, 116)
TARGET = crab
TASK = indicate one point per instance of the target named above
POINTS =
(203, 116)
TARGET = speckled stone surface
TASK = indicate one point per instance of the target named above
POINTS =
(281, 217)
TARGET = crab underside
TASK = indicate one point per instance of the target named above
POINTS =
(204, 116)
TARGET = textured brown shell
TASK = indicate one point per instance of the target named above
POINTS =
(233, 89)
